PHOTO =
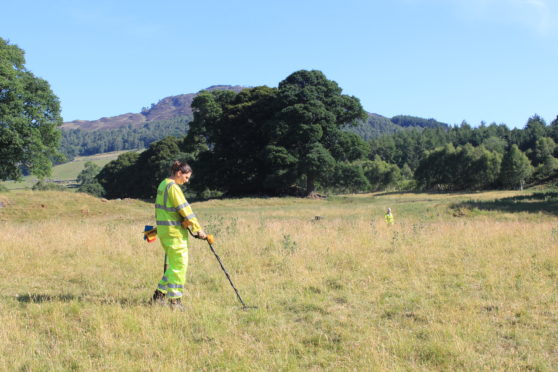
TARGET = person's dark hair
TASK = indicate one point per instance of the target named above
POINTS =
(180, 166)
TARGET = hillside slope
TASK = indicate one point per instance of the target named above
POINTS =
(377, 125)
(167, 108)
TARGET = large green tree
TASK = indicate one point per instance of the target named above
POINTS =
(153, 165)
(134, 175)
(516, 168)
(311, 112)
(381, 174)
(553, 129)
(544, 147)
(29, 118)
(228, 135)
(349, 177)
(118, 176)
(87, 181)
(274, 140)
(464, 167)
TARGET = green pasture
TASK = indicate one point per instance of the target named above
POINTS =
(460, 282)
(65, 172)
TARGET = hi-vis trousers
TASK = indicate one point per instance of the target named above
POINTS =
(174, 278)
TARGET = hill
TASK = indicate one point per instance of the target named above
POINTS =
(179, 106)
(171, 116)
(374, 126)
(166, 109)
(377, 125)
(407, 121)
(84, 142)
(76, 142)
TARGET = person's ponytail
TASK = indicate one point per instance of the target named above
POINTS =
(180, 166)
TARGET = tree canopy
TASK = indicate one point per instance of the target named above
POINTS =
(29, 118)
(87, 181)
(273, 140)
(464, 167)
(297, 138)
(516, 168)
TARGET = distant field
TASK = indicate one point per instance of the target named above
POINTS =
(67, 171)
(460, 282)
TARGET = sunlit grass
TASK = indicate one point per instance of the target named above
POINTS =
(444, 288)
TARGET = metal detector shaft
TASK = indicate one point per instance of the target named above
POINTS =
(227, 274)
(225, 271)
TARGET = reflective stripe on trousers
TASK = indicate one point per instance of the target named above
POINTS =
(172, 282)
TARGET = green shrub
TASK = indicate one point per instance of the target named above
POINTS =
(47, 186)
(93, 188)
(209, 194)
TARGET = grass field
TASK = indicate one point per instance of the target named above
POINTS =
(67, 171)
(463, 282)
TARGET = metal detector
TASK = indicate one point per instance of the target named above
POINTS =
(209, 240)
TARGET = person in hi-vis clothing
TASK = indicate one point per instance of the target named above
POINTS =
(174, 217)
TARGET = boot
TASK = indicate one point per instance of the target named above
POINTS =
(176, 304)
(158, 298)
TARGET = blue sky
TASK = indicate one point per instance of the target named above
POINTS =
(452, 60)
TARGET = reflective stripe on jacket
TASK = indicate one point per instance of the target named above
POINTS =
(171, 208)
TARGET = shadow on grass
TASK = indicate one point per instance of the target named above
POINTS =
(428, 192)
(41, 298)
(546, 202)
(124, 302)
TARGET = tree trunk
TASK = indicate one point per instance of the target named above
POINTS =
(310, 186)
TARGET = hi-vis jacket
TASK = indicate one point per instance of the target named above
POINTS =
(389, 218)
(171, 208)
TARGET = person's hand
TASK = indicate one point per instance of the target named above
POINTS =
(201, 234)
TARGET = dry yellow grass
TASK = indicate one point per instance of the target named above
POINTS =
(442, 289)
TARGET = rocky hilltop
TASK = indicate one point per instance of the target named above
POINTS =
(166, 108)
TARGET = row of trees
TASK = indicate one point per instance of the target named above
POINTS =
(464, 167)
(136, 175)
(78, 142)
(441, 157)
(259, 141)
(537, 140)
(377, 126)
(274, 140)
(293, 140)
